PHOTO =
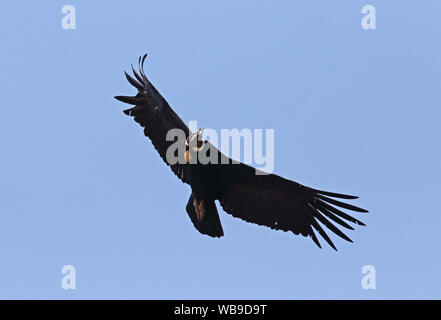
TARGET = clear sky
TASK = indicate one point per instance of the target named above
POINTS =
(354, 111)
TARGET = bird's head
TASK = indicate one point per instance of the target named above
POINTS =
(196, 140)
(194, 144)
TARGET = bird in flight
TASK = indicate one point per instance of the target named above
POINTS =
(264, 199)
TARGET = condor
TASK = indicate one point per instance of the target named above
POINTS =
(267, 200)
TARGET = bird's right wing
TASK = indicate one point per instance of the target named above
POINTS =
(157, 118)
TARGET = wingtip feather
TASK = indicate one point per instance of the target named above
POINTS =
(133, 82)
(130, 100)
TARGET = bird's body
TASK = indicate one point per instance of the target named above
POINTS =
(268, 199)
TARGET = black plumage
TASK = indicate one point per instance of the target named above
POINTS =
(267, 200)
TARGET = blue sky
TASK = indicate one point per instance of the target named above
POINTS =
(354, 111)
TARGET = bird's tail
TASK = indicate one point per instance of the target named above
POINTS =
(203, 213)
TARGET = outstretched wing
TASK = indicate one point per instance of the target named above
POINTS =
(281, 204)
(154, 114)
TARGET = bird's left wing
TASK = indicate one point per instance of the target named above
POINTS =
(281, 204)
(155, 115)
